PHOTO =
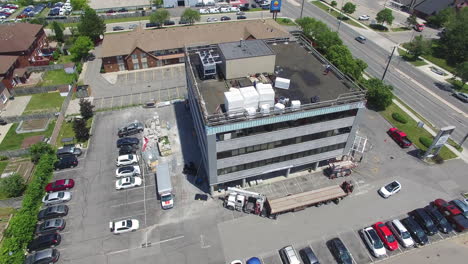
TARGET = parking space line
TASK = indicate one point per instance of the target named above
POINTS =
(66, 170)
(126, 217)
(354, 261)
(440, 235)
(122, 204)
(282, 183)
(362, 244)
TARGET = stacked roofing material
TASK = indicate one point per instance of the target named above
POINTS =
(250, 97)
(282, 83)
(266, 94)
(233, 100)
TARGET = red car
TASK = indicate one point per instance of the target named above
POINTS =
(442, 205)
(60, 185)
(399, 137)
(386, 235)
(419, 27)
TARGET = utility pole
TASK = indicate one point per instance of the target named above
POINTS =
(463, 140)
(341, 16)
(302, 8)
(388, 64)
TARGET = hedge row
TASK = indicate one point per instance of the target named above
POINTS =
(399, 117)
(427, 142)
(23, 224)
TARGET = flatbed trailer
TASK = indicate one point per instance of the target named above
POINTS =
(300, 201)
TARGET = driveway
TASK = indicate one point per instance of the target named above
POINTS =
(16, 107)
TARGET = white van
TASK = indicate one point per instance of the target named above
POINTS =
(234, 9)
(214, 10)
(225, 10)
(204, 11)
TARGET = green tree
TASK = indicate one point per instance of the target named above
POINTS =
(160, 16)
(39, 21)
(349, 8)
(461, 71)
(26, 2)
(385, 16)
(454, 41)
(341, 57)
(157, 3)
(12, 186)
(91, 25)
(191, 15)
(333, 3)
(79, 4)
(411, 21)
(39, 149)
(441, 18)
(58, 31)
(81, 129)
(379, 95)
(419, 46)
(86, 109)
(81, 47)
(327, 39)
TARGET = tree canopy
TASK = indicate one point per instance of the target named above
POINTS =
(462, 72)
(12, 186)
(385, 16)
(190, 15)
(86, 109)
(160, 16)
(379, 94)
(81, 47)
(455, 39)
(78, 4)
(441, 18)
(341, 57)
(349, 8)
(91, 25)
(58, 31)
(411, 21)
(419, 46)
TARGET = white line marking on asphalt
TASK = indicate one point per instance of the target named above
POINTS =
(299, 184)
(127, 217)
(67, 170)
(170, 239)
(123, 204)
(354, 261)
(202, 242)
(362, 244)
(440, 235)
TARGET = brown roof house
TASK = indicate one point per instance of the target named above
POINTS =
(146, 48)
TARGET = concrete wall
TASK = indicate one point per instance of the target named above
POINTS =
(243, 67)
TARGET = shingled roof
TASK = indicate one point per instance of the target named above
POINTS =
(18, 36)
(178, 37)
(6, 62)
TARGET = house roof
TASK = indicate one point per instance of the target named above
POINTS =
(432, 7)
(18, 36)
(6, 62)
(178, 37)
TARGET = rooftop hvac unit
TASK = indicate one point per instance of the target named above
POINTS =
(266, 94)
(251, 111)
(265, 109)
(282, 83)
(295, 104)
(233, 100)
(250, 97)
(279, 107)
(208, 63)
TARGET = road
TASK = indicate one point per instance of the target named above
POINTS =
(415, 88)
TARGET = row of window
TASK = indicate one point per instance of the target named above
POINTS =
(284, 125)
(282, 143)
(293, 156)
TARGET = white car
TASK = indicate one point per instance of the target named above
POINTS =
(213, 10)
(56, 197)
(390, 189)
(364, 17)
(225, 10)
(124, 226)
(130, 159)
(204, 11)
(400, 232)
(234, 9)
(127, 171)
(127, 182)
(211, 19)
(373, 242)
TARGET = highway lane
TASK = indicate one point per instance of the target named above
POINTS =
(414, 87)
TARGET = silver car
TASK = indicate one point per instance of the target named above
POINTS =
(462, 96)
(56, 197)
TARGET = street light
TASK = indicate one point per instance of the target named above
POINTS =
(302, 8)
(341, 16)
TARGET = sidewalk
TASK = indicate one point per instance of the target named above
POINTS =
(463, 155)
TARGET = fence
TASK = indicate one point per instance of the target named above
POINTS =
(45, 68)
(15, 153)
(35, 90)
(58, 124)
(76, 19)
(16, 119)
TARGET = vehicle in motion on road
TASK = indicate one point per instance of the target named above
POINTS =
(124, 226)
(419, 27)
(425, 221)
(225, 18)
(127, 182)
(149, 25)
(401, 233)
(390, 189)
(339, 251)
(65, 162)
(50, 255)
(127, 171)
(169, 23)
(439, 220)
(56, 197)
(308, 256)
(437, 71)
(288, 255)
(51, 226)
(399, 137)
(126, 160)
(386, 236)
(117, 28)
(45, 241)
(211, 19)
(127, 141)
(52, 212)
(241, 17)
(361, 39)
(415, 230)
(373, 242)
(60, 185)
(462, 96)
(163, 180)
(364, 17)
(131, 129)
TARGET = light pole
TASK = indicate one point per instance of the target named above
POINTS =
(302, 8)
(341, 16)
(388, 64)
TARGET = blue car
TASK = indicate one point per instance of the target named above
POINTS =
(254, 260)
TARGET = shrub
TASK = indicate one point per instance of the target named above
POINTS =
(438, 159)
(3, 158)
(425, 141)
(378, 27)
(399, 117)
(39, 149)
(12, 186)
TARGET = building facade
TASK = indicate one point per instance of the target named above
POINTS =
(239, 147)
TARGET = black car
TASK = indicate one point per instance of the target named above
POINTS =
(3, 122)
(225, 18)
(121, 10)
(425, 221)
(118, 28)
(243, 8)
(308, 256)
(53, 212)
(130, 129)
(127, 149)
(68, 149)
(152, 25)
(415, 230)
(169, 23)
(45, 241)
(69, 161)
(51, 226)
(439, 220)
(44, 256)
(241, 17)
(127, 141)
(183, 22)
(339, 251)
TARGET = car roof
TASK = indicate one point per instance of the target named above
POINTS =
(397, 223)
(43, 254)
(462, 205)
(309, 253)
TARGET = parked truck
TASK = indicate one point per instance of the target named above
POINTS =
(163, 180)
(256, 203)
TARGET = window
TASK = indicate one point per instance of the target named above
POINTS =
(3, 97)
(136, 66)
(144, 65)
(143, 55)
(134, 56)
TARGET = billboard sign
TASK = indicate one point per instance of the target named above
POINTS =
(275, 6)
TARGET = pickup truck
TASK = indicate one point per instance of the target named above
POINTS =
(399, 137)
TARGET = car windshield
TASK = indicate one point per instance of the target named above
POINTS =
(125, 169)
(166, 198)
(391, 238)
(129, 223)
(390, 187)
(405, 235)
(132, 179)
(130, 156)
(61, 194)
(377, 242)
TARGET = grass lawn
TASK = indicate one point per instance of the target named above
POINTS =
(13, 141)
(413, 131)
(336, 14)
(439, 62)
(400, 29)
(256, 9)
(125, 19)
(286, 22)
(64, 59)
(457, 84)
(3, 165)
(57, 77)
(67, 131)
(409, 58)
(44, 102)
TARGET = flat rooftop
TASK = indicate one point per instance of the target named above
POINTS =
(245, 49)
